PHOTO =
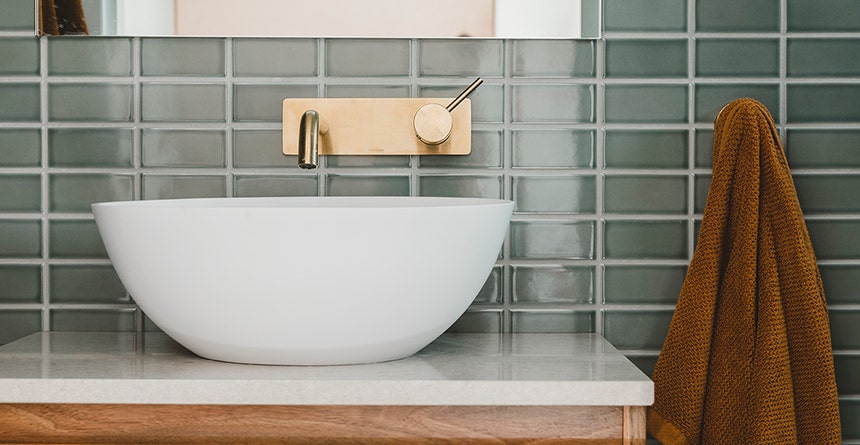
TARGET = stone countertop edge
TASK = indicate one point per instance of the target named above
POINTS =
(456, 369)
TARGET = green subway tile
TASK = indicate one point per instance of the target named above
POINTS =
(553, 58)
(182, 56)
(636, 330)
(86, 284)
(469, 57)
(92, 56)
(823, 148)
(367, 91)
(149, 325)
(828, 193)
(552, 148)
(552, 321)
(75, 192)
(247, 185)
(646, 149)
(183, 148)
(710, 99)
(107, 320)
(642, 284)
(18, 16)
(20, 147)
(553, 103)
(552, 239)
(21, 284)
(19, 324)
(20, 238)
(491, 291)
(646, 103)
(22, 193)
(557, 194)
(704, 148)
(737, 16)
(367, 57)
(182, 102)
(823, 103)
(20, 56)
(177, 186)
(823, 58)
(90, 147)
(367, 161)
(486, 153)
(832, 16)
(737, 57)
(342, 185)
(645, 194)
(646, 364)
(75, 239)
(461, 186)
(275, 57)
(702, 186)
(21, 102)
(552, 284)
(840, 283)
(260, 148)
(487, 101)
(835, 239)
(645, 239)
(264, 103)
(845, 329)
(479, 322)
(847, 373)
(90, 102)
(644, 15)
(646, 58)
(849, 412)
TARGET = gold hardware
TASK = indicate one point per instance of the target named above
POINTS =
(374, 127)
(433, 122)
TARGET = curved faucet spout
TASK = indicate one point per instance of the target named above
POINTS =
(309, 130)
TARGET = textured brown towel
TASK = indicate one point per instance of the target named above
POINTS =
(748, 358)
(62, 17)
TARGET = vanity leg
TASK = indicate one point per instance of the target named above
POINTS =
(633, 425)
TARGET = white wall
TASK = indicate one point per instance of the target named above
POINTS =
(342, 18)
(538, 18)
(145, 18)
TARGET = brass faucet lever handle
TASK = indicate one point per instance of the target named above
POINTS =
(464, 94)
(433, 122)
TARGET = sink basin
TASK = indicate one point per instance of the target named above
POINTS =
(304, 281)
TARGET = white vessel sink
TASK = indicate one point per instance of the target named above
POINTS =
(304, 281)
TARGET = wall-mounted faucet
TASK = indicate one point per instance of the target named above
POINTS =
(314, 127)
(310, 128)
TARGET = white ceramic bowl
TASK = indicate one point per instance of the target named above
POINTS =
(304, 281)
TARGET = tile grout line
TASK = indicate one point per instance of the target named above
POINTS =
(507, 184)
(691, 119)
(137, 144)
(44, 105)
(230, 178)
(599, 185)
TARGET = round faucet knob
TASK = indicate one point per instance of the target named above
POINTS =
(433, 124)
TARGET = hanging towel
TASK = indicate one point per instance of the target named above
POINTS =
(748, 359)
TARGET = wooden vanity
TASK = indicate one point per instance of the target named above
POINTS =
(77, 388)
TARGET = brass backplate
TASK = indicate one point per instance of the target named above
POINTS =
(375, 127)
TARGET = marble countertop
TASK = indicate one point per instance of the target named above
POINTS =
(456, 369)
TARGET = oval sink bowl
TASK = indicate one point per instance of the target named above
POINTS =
(304, 281)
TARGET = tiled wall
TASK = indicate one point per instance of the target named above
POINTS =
(605, 146)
